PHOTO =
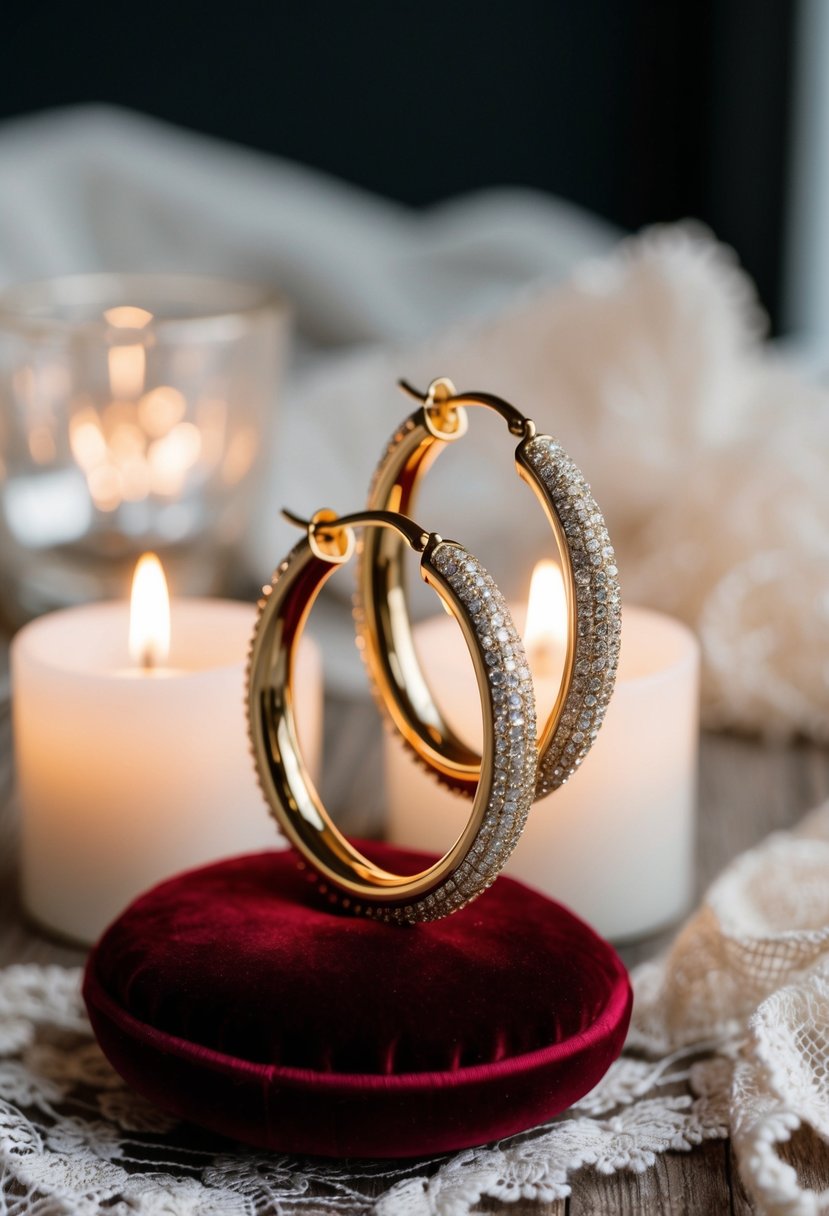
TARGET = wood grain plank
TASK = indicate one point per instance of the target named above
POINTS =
(679, 1184)
(741, 1205)
(809, 1156)
(559, 1208)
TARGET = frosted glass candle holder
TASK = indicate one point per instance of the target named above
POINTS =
(135, 412)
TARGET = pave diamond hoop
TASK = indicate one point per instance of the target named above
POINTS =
(590, 578)
(507, 770)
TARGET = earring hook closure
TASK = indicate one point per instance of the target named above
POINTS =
(442, 402)
(331, 536)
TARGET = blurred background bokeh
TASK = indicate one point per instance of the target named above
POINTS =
(638, 111)
(494, 193)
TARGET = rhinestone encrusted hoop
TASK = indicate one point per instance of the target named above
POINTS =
(508, 703)
(598, 612)
(570, 726)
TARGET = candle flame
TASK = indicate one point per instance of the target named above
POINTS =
(547, 614)
(149, 638)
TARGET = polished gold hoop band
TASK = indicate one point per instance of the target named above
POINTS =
(590, 580)
(507, 769)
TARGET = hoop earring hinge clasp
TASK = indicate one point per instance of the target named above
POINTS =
(331, 536)
(442, 404)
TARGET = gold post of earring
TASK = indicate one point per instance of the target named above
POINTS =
(325, 521)
(439, 393)
(443, 418)
(330, 538)
(292, 518)
(411, 390)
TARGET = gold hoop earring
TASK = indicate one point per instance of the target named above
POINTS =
(590, 579)
(507, 769)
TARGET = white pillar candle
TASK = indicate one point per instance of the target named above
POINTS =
(616, 843)
(125, 776)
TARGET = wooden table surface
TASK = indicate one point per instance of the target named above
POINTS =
(746, 790)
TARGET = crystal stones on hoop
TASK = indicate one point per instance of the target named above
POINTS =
(598, 611)
(570, 725)
(512, 702)
(508, 770)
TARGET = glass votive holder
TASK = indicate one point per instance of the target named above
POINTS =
(135, 414)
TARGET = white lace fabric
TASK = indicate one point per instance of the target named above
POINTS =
(730, 1036)
(75, 1139)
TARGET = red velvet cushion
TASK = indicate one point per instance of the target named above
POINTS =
(234, 997)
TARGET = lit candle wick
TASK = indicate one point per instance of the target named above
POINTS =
(149, 633)
(546, 630)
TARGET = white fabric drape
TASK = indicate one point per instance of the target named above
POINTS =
(709, 456)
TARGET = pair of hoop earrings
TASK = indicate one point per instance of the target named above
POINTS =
(521, 761)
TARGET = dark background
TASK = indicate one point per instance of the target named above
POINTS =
(641, 111)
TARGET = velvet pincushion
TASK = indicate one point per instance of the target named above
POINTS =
(234, 996)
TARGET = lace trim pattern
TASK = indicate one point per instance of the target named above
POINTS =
(75, 1139)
